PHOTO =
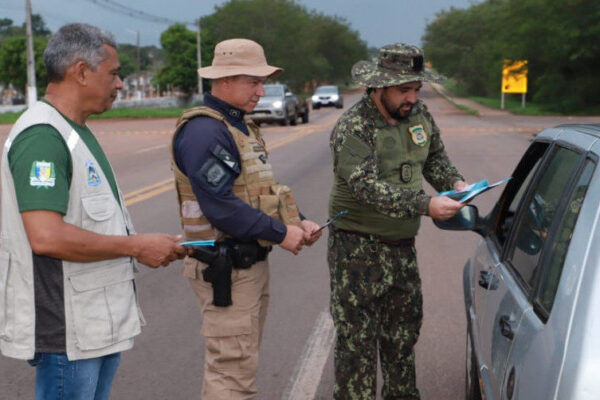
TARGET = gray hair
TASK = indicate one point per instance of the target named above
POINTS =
(73, 43)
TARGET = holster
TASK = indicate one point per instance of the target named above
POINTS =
(218, 273)
(221, 259)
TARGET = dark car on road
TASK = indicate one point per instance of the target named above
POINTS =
(327, 96)
(532, 285)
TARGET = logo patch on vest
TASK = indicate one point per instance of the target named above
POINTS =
(92, 176)
(42, 174)
(418, 134)
(406, 172)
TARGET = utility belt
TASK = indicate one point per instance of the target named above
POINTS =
(395, 243)
(222, 258)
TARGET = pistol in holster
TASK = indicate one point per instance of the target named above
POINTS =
(221, 259)
(218, 272)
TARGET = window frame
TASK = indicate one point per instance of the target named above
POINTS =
(544, 263)
(505, 249)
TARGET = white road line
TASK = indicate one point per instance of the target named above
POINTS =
(307, 375)
(160, 146)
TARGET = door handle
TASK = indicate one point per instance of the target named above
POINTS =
(506, 327)
(486, 280)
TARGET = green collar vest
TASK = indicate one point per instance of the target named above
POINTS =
(401, 151)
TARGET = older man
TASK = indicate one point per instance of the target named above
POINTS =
(383, 147)
(227, 193)
(68, 299)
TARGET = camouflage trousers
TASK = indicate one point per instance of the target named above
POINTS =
(377, 307)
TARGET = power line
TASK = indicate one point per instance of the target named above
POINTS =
(115, 7)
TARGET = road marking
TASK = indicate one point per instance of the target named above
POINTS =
(149, 191)
(160, 146)
(307, 374)
(163, 186)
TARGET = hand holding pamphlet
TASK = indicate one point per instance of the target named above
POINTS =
(472, 190)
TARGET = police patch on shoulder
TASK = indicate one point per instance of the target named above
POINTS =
(418, 134)
(92, 176)
(42, 174)
(215, 174)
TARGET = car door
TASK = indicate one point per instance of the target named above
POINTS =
(535, 360)
(524, 237)
(485, 283)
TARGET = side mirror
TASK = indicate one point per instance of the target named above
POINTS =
(466, 219)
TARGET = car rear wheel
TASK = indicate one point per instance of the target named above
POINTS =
(315, 106)
(294, 119)
(472, 391)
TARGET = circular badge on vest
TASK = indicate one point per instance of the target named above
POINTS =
(405, 172)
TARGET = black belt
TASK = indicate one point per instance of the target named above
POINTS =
(244, 255)
(398, 243)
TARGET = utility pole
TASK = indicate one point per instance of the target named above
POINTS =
(31, 88)
(199, 39)
(138, 53)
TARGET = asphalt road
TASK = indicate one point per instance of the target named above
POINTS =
(296, 361)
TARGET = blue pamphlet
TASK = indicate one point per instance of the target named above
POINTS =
(198, 243)
(472, 190)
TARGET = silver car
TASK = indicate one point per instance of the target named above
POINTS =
(532, 286)
(326, 96)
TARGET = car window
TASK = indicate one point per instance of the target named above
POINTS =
(326, 89)
(515, 190)
(536, 218)
(551, 276)
(272, 91)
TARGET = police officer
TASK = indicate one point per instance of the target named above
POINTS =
(382, 148)
(227, 192)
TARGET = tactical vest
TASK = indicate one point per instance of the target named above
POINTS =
(401, 152)
(255, 184)
(101, 308)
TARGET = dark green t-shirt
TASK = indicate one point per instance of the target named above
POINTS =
(41, 166)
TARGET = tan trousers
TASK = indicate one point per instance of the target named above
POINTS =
(233, 334)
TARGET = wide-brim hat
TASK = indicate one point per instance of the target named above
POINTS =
(239, 57)
(396, 64)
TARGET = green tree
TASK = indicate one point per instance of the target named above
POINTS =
(180, 70)
(13, 62)
(38, 26)
(128, 58)
(560, 40)
(309, 46)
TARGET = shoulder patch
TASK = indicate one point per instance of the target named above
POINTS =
(42, 174)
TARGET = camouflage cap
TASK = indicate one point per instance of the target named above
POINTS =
(396, 64)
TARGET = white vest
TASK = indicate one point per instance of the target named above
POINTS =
(102, 313)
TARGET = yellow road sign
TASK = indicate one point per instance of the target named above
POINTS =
(514, 76)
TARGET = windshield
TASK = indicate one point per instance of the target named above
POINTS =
(326, 89)
(271, 91)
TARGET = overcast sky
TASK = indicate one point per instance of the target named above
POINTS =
(379, 22)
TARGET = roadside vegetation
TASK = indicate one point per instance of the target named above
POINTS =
(313, 48)
(559, 39)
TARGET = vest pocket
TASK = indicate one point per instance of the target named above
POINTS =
(5, 295)
(280, 204)
(98, 210)
(104, 306)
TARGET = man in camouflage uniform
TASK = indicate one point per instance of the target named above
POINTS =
(382, 149)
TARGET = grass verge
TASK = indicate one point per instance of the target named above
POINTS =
(11, 117)
(512, 103)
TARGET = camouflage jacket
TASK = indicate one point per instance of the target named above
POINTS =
(364, 183)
